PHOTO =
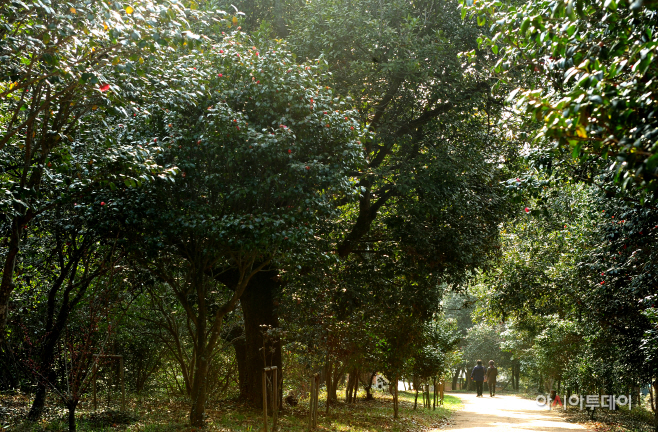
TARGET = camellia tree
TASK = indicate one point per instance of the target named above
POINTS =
(263, 154)
(65, 69)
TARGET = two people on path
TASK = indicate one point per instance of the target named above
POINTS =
(481, 375)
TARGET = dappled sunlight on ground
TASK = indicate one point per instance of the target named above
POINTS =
(506, 413)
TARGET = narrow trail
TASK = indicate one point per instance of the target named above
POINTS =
(506, 413)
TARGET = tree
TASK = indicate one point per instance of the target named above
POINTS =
(64, 67)
(263, 152)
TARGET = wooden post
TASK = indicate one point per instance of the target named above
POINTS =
(123, 385)
(93, 386)
(275, 398)
(316, 400)
(310, 403)
(264, 401)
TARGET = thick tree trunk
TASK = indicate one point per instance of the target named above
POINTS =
(258, 310)
(36, 411)
(368, 387)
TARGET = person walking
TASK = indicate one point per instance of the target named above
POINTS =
(477, 374)
(491, 375)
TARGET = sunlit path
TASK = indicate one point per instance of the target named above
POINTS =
(506, 413)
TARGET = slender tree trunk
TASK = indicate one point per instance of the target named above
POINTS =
(71, 405)
(352, 382)
(395, 398)
(198, 394)
(197, 413)
(7, 282)
(455, 378)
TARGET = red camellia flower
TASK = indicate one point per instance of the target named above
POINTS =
(102, 203)
(104, 87)
(155, 140)
(352, 127)
(602, 282)
(518, 179)
(289, 151)
(257, 53)
(184, 174)
(220, 75)
(257, 82)
(221, 51)
(198, 142)
(307, 167)
(527, 210)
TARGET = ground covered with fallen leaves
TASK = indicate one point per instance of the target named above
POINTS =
(621, 420)
(159, 415)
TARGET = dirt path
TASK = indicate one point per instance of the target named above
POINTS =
(506, 413)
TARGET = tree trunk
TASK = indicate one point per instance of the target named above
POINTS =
(434, 393)
(36, 411)
(455, 378)
(258, 310)
(71, 405)
(333, 372)
(348, 388)
(7, 282)
(395, 397)
(197, 412)
(368, 388)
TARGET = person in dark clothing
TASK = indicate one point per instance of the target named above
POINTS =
(477, 374)
(491, 375)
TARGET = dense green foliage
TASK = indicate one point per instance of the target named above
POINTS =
(406, 186)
